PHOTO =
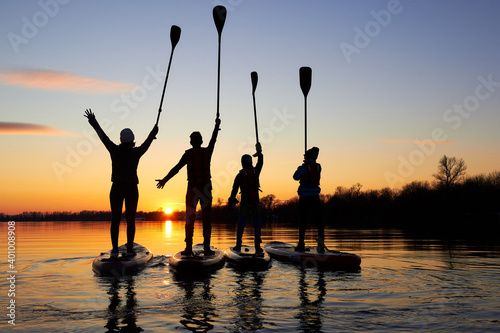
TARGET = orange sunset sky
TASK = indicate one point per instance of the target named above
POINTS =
(396, 85)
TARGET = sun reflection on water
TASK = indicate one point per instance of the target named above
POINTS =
(168, 228)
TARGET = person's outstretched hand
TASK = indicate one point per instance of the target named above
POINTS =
(258, 147)
(161, 183)
(154, 131)
(89, 114)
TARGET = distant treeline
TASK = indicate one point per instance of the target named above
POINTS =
(474, 200)
(87, 215)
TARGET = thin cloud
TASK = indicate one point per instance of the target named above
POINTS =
(59, 81)
(420, 142)
(32, 129)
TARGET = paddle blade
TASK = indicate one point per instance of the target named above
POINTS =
(175, 35)
(305, 77)
(254, 78)
(219, 13)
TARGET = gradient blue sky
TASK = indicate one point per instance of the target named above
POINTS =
(396, 85)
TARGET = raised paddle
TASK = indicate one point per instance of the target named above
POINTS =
(305, 77)
(175, 35)
(255, 78)
(219, 13)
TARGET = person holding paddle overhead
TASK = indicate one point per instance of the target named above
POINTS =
(125, 159)
(308, 175)
(199, 187)
(247, 180)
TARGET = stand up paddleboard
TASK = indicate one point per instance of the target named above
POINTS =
(247, 259)
(311, 258)
(105, 265)
(198, 262)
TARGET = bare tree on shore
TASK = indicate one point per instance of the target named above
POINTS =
(450, 171)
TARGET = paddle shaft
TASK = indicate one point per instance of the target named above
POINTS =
(175, 35)
(254, 77)
(305, 78)
(255, 117)
(218, 78)
(164, 87)
(305, 124)
(219, 14)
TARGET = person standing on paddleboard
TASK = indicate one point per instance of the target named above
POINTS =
(199, 187)
(125, 159)
(248, 180)
(308, 175)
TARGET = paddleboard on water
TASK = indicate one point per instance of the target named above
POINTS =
(247, 259)
(311, 258)
(198, 262)
(105, 265)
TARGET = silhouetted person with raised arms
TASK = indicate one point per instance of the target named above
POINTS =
(308, 175)
(199, 187)
(125, 159)
(247, 180)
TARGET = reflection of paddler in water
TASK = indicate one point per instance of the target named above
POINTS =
(197, 306)
(248, 297)
(248, 181)
(199, 187)
(308, 175)
(125, 159)
(310, 310)
(118, 313)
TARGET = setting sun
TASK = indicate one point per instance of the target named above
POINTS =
(168, 210)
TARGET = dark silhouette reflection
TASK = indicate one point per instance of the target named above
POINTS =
(122, 317)
(197, 304)
(248, 300)
(311, 298)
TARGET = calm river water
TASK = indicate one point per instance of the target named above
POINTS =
(405, 284)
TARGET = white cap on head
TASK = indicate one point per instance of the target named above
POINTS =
(126, 135)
